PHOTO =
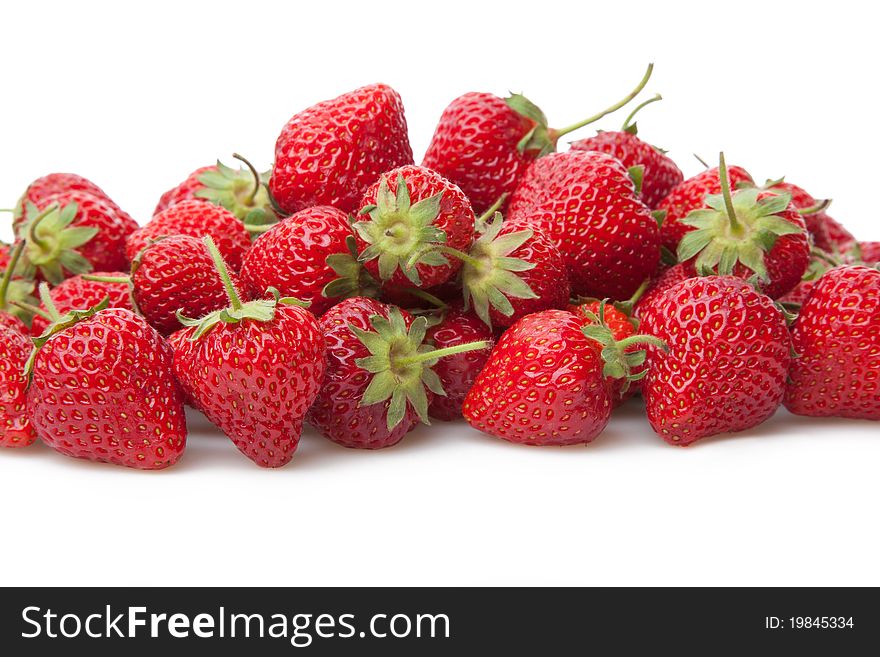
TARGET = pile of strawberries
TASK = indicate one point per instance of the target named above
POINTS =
(528, 290)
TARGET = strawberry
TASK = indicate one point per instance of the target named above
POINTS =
(302, 255)
(73, 233)
(15, 425)
(820, 262)
(380, 377)
(331, 152)
(657, 172)
(253, 369)
(867, 252)
(484, 143)
(547, 380)
(102, 389)
(77, 293)
(727, 359)
(458, 372)
(838, 237)
(837, 339)
(748, 233)
(402, 234)
(672, 276)
(827, 234)
(196, 219)
(691, 195)
(242, 192)
(586, 203)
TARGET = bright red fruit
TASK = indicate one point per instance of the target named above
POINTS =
(78, 293)
(869, 252)
(331, 152)
(586, 203)
(727, 359)
(184, 191)
(15, 424)
(196, 219)
(837, 340)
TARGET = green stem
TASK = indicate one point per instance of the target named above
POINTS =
(255, 174)
(223, 271)
(819, 207)
(32, 310)
(32, 227)
(442, 353)
(461, 255)
(613, 108)
(825, 257)
(49, 303)
(627, 124)
(635, 340)
(701, 160)
(628, 305)
(10, 270)
(725, 191)
(107, 279)
(488, 214)
(424, 296)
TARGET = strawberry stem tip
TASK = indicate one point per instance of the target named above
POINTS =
(482, 221)
(249, 200)
(725, 191)
(628, 124)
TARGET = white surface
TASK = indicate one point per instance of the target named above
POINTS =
(136, 98)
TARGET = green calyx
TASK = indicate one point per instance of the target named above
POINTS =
(243, 192)
(16, 295)
(489, 274)
(354, 279)
(542, 139)
(736, 228)
(401, 234)
(401, 363)
(259, 310)
(619, 362)
(51, 243)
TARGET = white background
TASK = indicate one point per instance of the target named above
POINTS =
(135, 97)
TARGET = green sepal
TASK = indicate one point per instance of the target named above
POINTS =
(354, 279)
(540, 138)
(240, 192)
(637, 175)
(659, 217)
(51, 243)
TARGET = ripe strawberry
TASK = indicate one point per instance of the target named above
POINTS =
(837, 339)
(839, 238)
(402, 234)
(867, 252)
(78, 293)
(546, 381)
(458, 372)
(73, 233)
(585, 202)
(380, 380)
(748, 233)
(301, 255)
(691, 195)
(15, 425)
(253, 369)
(484, 143)
(196, 219)
(820, 262)
(84, 404)
(658, 173)
(827, 234)
(727, 359)
(331, 152)
(241, 191)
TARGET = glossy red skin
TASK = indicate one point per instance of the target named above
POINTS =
(542, 385)
(837, 339)
(196, 219)
(15, 424)
(819, 224)
(184, 191)
(799, 294)
(870, 252)
(672, 276)
(76, 293)
(691, 195)
(585, 202)
(255, 380)
(4, 256)
(336, 413)
(457, 372)
(786, 262)
(838, 238)
(456, 219)
(729, 353)
(475, 146)
(331, 152)
(292, 256)
(13, 322)
(104, 390)
(661, 173)
(548, 278)
(39, 191)
(177, 273)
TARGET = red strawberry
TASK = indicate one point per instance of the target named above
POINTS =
(868, 252)
(691, 195)
(79, 293)
(585, 202)
(15, 425)
(546, 381)
(241, 191)
(727, 359)
(253, 369)
(820, 262)
(73, 233)
(457, 373)
(403, 233)
(672, 276)
(827, 234)
(298, 257)
(196, 219)
(331, 152)
(839, 238)
(658, 174)
(380, 380)
(484, 143)
(837, 339)
(103, 390)
(748, 233)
